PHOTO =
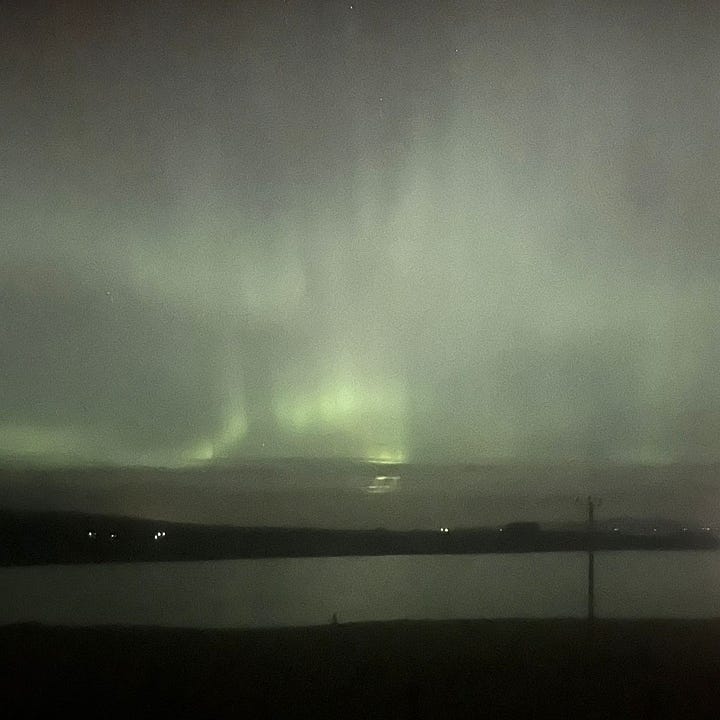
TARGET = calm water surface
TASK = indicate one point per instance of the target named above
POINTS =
(260, 593)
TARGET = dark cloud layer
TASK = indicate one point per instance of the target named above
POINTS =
(431, 231)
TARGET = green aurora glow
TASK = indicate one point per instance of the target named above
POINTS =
(284, 229)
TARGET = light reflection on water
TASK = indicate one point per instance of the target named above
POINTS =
(258, 593)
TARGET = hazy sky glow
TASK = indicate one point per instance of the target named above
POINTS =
(402, 231)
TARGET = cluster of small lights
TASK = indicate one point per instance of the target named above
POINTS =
(159, 534)
(444, 529)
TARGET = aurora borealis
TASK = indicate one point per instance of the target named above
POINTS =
(444, 231)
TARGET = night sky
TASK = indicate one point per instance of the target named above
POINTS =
(408, 231)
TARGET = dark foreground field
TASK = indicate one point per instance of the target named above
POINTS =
(503, 669)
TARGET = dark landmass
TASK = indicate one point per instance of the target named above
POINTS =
(345, 493)
(414, 670)
(48, 538)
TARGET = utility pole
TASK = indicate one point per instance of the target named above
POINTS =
(591, 560)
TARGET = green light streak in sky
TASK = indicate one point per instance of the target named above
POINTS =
(368, 420)
(222, 445)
